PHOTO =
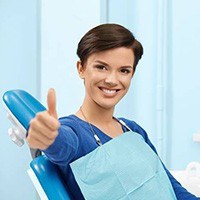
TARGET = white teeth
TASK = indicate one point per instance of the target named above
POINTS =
(109, 91)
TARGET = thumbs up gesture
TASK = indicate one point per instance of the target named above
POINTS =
(43, 129)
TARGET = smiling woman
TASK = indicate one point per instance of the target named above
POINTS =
(107, 77)
(99, 155)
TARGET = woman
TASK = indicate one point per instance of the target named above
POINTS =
(100, 156)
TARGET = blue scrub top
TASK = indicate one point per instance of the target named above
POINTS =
(75, 139)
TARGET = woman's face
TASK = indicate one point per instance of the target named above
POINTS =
(107, 76)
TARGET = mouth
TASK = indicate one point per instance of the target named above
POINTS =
(110, 92)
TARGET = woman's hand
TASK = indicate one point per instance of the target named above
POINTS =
(43, 129)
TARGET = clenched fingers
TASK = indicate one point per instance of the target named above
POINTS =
(46, 119)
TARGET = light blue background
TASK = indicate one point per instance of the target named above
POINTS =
(38, 42)
(18, 69)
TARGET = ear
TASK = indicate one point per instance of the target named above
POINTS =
(80, 69)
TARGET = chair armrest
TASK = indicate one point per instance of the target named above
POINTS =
(50, 178)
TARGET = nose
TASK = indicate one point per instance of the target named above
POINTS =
(111, 79)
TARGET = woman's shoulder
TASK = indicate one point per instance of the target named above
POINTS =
(70, 120)
(73, 123)
(67, 119)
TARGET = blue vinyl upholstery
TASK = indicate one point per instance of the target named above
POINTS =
(50, 178)
(24, 107)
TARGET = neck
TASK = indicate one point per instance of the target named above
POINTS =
(95, 114)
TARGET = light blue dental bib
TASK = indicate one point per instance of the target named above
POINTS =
(125, 168)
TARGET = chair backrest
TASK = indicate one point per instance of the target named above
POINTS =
(22, 107)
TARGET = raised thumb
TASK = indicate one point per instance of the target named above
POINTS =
(51, 103)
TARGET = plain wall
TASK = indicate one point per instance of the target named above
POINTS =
(165, 96)
(19, 68)
(62, 26)
(37, 51)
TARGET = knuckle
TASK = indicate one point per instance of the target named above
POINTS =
(39, 115)
(32, 122)
(28, 140)
(54, 124)
(57, 124)
(46, 145)
(30, 143)
(53, 136)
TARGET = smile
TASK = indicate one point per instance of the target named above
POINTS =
(109, 91)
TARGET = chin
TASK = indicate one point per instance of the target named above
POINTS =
(107, 103)
(107, 106)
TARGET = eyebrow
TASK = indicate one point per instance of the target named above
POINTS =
(104, 63)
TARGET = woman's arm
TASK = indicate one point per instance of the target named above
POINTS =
(55, 139)
(64, 148)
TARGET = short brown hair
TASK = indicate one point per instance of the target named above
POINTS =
(105, 37)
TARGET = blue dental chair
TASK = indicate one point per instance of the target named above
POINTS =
(21, 108)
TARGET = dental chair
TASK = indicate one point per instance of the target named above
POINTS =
(46, 177)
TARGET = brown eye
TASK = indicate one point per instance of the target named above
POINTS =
(125, 71)
(100, 67)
